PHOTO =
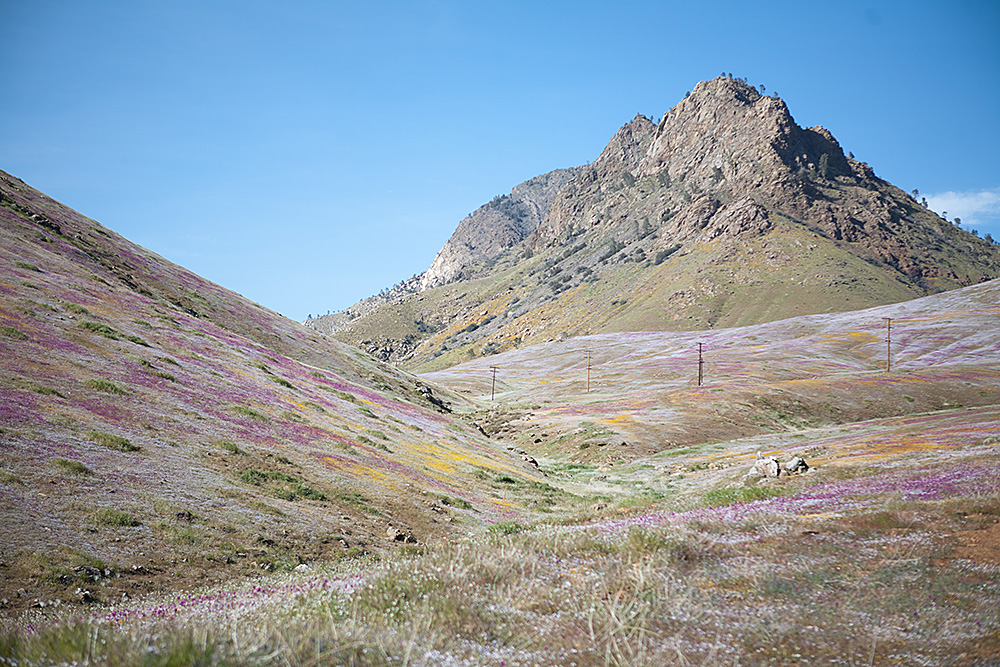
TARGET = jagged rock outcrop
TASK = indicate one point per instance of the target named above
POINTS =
(496, 227)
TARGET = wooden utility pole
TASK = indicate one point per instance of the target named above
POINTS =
(493, 391)
(588, 371)
(701, 366)
(888, 342)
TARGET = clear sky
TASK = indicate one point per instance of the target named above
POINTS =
(309, 153)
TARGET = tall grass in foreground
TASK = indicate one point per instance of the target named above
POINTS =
(862, 590)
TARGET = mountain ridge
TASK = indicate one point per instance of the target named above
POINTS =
(725, 212)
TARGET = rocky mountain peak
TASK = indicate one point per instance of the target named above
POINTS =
(724, 212)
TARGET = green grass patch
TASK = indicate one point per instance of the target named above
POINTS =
(75, 467)
(249, 412)
(507, 528)
(733, 496)
(11, 332)
(230, 447)
(101, 330)
(75, 308)
(109, 516)
(29, 267)
(105, 386)
(357, 500)
(46, 391)
(305, 491)
(460, 503)
(137, 340)
(253, 476)
(110, 441)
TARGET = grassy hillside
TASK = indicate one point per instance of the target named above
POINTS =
(158, 431)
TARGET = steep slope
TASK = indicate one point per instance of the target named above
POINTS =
(157, 430)
(724, 213)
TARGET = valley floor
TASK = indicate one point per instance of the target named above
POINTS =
(887, 554)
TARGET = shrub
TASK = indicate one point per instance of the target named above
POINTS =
(665, 253)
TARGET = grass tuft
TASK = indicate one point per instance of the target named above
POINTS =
(230, 447)
(101, 330)
(105, 386)
(109, 516)
(110, 441)
(11, 332)
(75, 467)
(249, 412)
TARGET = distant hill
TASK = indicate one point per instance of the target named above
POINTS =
(160, 431)
(723, 213)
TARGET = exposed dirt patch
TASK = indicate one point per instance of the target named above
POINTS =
(981, 545)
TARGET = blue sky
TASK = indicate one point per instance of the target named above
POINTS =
(307, 154)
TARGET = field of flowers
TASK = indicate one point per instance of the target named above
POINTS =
(857, 562)
(807, 372)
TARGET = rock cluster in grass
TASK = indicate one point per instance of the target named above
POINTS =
(768, 467)
(527, 458)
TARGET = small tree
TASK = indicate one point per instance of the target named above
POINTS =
(824, 164)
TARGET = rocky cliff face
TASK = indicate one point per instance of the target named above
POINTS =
(724, 212)
(496, 227)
